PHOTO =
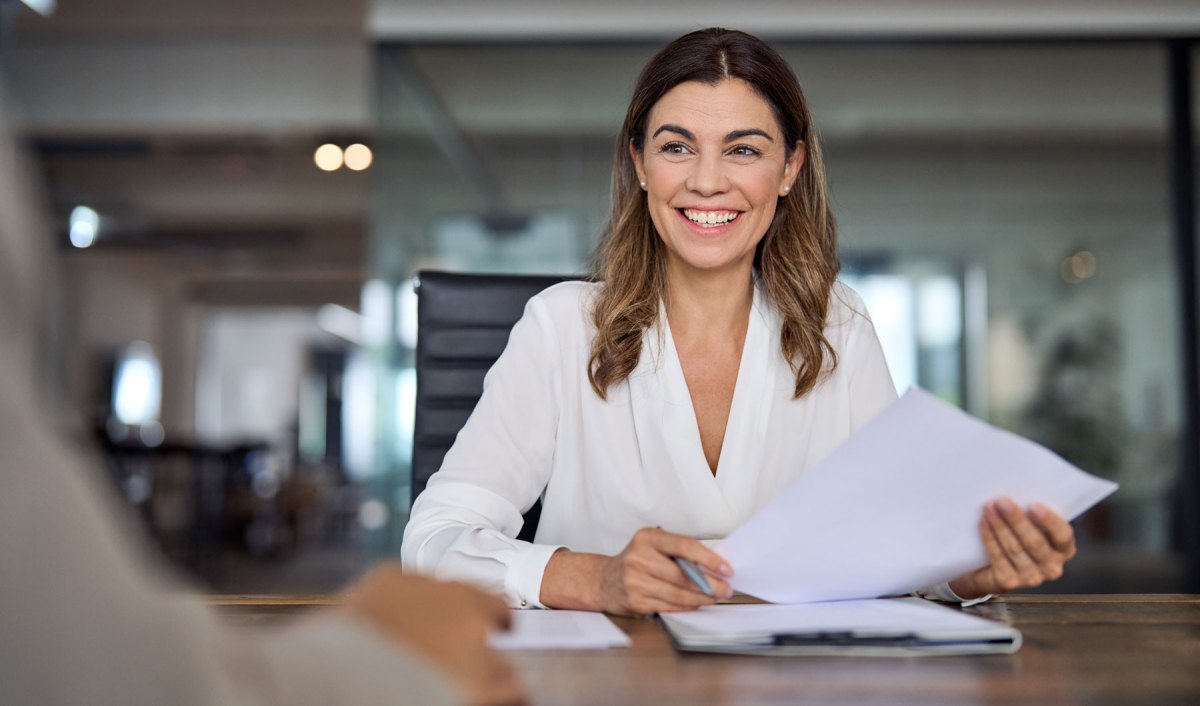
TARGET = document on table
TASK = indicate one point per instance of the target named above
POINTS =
(903, 626)
(896, 507)
(559, 630)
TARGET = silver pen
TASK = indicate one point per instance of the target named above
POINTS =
(696, 575)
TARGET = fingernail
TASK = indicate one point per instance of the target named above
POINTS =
(1007, 505)
(726, 570)
(1038, 510)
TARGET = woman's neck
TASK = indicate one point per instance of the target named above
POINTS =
(709, 304)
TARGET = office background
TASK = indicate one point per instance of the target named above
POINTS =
(235, 196)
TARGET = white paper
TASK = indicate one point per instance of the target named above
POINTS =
(896, 507)
(877, 616)
(558, 630)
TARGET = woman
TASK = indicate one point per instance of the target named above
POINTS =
(713, 360)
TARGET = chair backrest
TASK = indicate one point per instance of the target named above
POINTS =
(463, 322)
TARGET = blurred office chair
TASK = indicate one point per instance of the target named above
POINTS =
(463, 322)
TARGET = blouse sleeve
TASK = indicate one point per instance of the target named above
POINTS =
(871, 386)
(463, 526)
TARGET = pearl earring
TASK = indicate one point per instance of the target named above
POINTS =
(786, 189)
(643, 185)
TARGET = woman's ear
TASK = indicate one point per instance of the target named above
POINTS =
(795, 163)
(638, 167)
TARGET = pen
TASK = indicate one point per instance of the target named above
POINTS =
(697, 577)
(848, 639)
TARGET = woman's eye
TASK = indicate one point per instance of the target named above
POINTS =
(675, 148)
(744, 151)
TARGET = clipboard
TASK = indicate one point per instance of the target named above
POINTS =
(886, 627)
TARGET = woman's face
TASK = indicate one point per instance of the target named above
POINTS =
(714, 164)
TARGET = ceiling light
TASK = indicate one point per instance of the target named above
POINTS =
(45, 8)
(1078, 267)
(85, 224)
(328, 157)
(1085, 264)
(358, 157)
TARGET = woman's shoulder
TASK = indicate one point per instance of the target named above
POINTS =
(567, 304)
(842, 295)
(846, 307)
(572, 290)
(567, 297)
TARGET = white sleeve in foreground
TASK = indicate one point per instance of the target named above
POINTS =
(83, 618)
(334, 659)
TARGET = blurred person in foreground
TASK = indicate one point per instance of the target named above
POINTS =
(86, 619)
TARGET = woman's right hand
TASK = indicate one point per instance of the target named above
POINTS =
(644, 578)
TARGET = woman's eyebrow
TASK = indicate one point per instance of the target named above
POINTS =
(730, 137)
(686, 134)
(739, 134)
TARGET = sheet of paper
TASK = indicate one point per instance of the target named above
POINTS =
(559, 630)
(896, 507)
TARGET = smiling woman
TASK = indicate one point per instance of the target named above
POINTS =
(736, 93)
(712, 360)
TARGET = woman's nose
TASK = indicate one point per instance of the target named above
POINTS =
(708, 176)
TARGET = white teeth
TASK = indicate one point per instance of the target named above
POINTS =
(709, 218)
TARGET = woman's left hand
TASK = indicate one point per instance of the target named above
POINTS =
(1025, 549)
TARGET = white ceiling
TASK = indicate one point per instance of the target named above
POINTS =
(854, 19)
(172, 19)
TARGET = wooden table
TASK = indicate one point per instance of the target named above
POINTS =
(1096, 649)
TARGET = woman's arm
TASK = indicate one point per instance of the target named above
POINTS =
(464, 525)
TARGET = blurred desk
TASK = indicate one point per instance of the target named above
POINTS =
(1093, 649)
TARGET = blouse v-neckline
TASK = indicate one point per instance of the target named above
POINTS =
(746, 422)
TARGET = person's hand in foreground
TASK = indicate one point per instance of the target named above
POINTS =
(643, 579)
(1025, 548)
(447, 623)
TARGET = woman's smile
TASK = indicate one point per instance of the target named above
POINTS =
(709, 222)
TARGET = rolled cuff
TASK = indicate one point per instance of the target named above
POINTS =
(943, 592)
(523, 580)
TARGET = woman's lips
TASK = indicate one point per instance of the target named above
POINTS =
(712, 228)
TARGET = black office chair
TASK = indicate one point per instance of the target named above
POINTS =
(463, 322)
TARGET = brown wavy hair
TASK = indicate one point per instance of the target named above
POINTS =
(796, 260)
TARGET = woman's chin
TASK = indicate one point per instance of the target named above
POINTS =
(709, 263)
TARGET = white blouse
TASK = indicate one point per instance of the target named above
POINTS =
(605, 469)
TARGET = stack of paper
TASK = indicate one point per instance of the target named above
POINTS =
(881, 627)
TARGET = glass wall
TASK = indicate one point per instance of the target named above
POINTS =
(1038, 173)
